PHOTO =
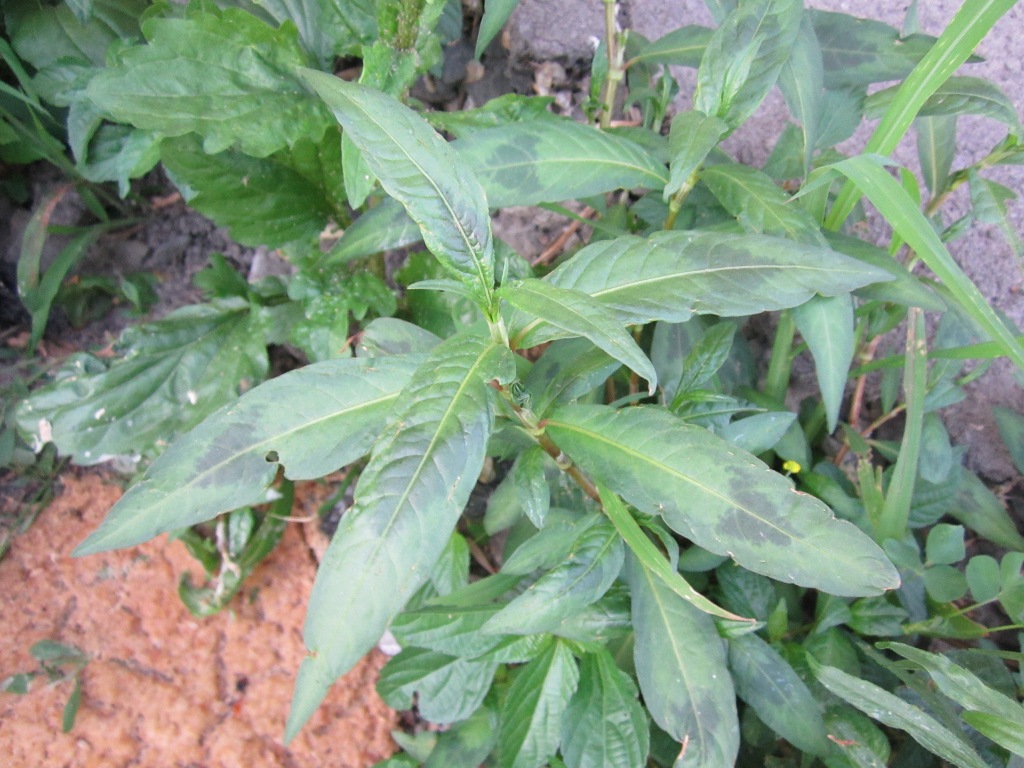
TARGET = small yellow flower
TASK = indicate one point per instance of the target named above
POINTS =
(791, 467)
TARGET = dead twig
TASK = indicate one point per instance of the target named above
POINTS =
(558, 244)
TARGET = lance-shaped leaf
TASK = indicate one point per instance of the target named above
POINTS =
(174, 373)
(672, 276)
(452, 630)
(551, 160)
(310, 421)
(993, 713)
(447, 689)
(407, 502)
(680, 663)
(752, 197)
(531, 719)
(721, 498)
(895, 712)
(578, 314)
(826, 323)
(419, 169)
(224, 74)
(781, 699)
(692, 136)
(382, 228)
(682, 47)
(744, 56)
(956, 96)
(801, 82)
(605, 726)
(590, 567)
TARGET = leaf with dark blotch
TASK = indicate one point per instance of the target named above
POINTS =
(672, 276)
(604, 726)
(721, 498)
(224, 74)
(532, 715)
(589, 568)
(551, 160)
(312, 421)
(447, 689)
(775, 691)
(858, 52)
(438, 189)
(680, 663)
(407, 502)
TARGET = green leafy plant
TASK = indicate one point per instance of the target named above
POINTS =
(58, 663)
(670, 529)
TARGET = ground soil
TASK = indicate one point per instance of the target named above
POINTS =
(163, 688)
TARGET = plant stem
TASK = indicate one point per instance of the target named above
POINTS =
(615, 68)
(781, 363)
(676, 204)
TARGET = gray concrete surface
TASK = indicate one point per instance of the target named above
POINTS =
(566, 30)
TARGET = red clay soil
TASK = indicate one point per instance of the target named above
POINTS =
(164, 689)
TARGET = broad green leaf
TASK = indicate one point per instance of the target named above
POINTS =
(407, 502)
(120, 153)
(386, 336)
(496, 13)
(961, 36)
(744, 56)
(224, 74)
(720, 498)
(531, 483)
(604, 726)
(652, 561)
(534, 708)
(858, 52)
(550, 546)
(956, 96)
(1001, 718)
(859, 742)
(752, 197)
(692, 136)
(1004, 731)
(451, 630)
(682, 47)
(680, 664)
(580, 315)
(936, 149)
(173, 373)
(327, 28)
(384, 227)
(802, 81)
(895, 204)
(760, 432)
(777, 694)
(592, 564)
(418, 168)
(1011, 430)
(466, 744)
(826, 323)
(982, 511)
(228, 461)
(895, 712)
(446, 689)
(568, 369)
(262, 201)
(551, 160)
(672, 276)
(904, 288)
(703, 359)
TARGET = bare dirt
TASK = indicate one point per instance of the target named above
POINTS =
(162, 688)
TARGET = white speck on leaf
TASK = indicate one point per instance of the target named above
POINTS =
(193, 396)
